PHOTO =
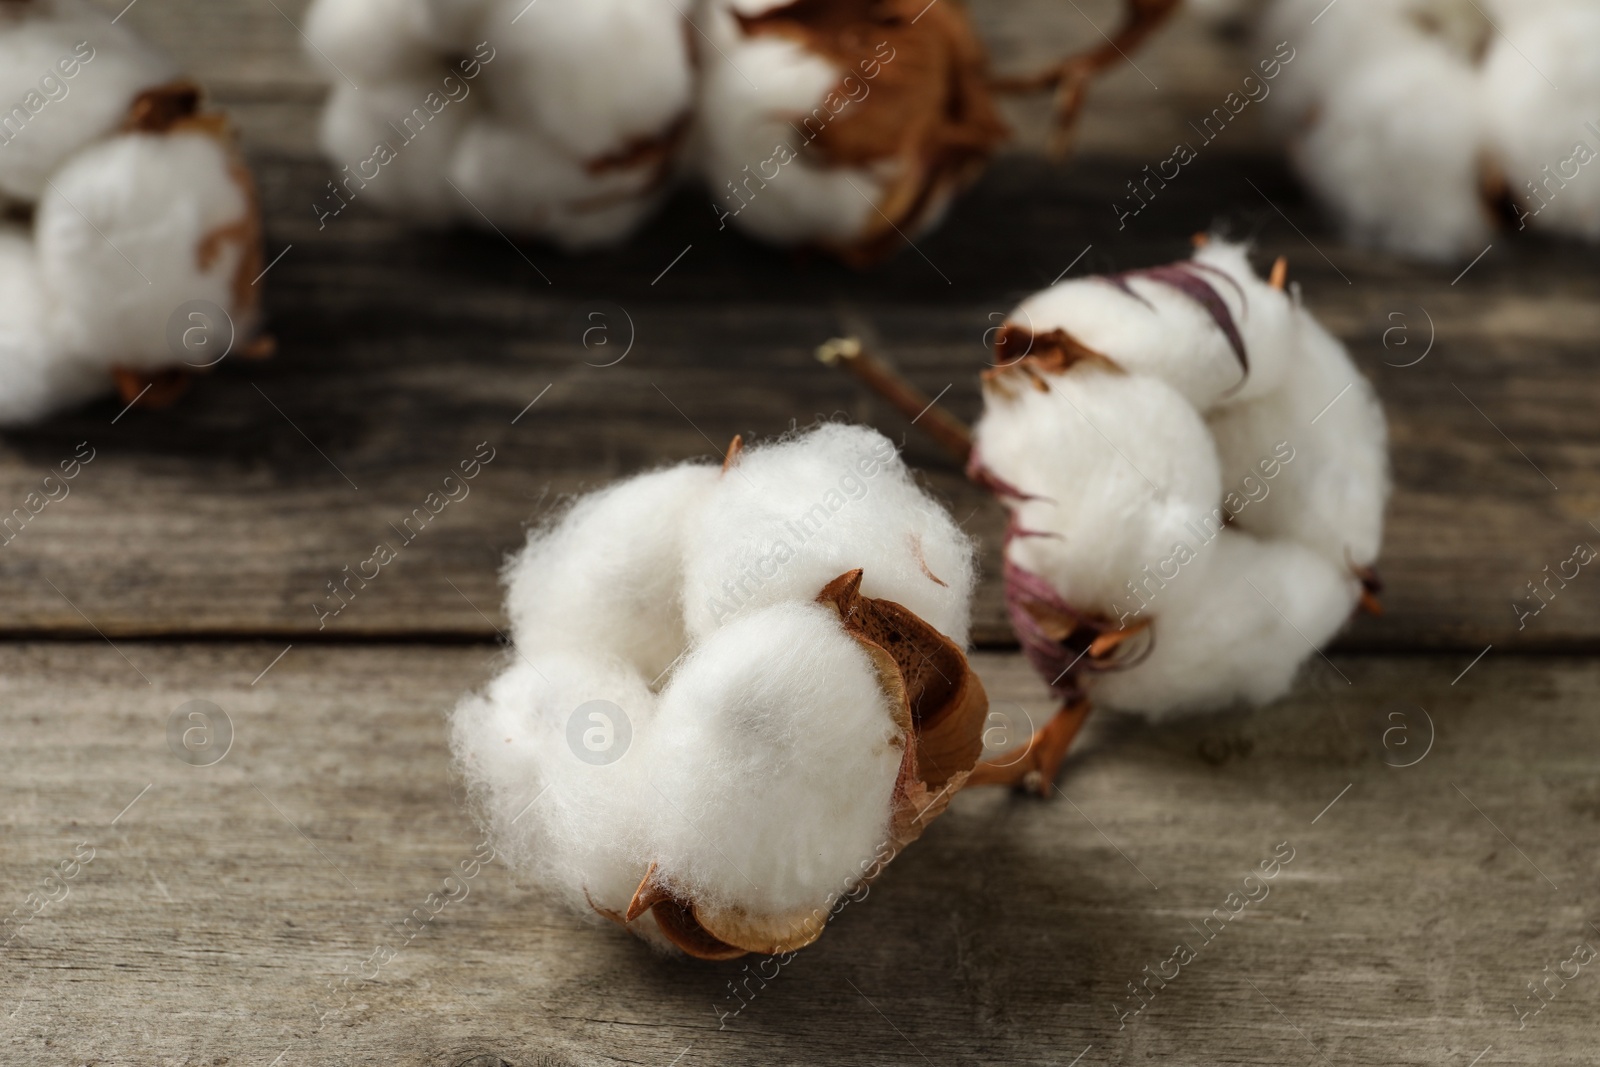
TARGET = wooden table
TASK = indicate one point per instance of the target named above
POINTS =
(230, 913)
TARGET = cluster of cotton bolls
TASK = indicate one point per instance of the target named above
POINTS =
(1422, 122)
(122, 201)
(1196, 474)
(733, 695)
(839, 124)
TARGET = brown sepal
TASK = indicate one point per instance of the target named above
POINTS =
(158, 389)
(163, 107)
(944, 701)
(1025, 356)
(929, 118)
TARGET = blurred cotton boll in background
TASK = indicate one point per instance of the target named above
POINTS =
(560, 119)
(1426, 124)
(838, 125)
(131, 204)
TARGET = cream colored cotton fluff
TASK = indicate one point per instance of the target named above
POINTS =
(559, 119)
(762, 751)
(134, 227)
(33, 376)
(142, 216)
(1154, 483)
(66, 77)
(1542, 85)
(1414, 119)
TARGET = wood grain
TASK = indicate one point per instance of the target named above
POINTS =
(219, 907)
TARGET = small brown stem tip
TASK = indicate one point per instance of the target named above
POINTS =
(949, 432)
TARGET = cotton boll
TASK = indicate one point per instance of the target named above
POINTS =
(1413, 119)
(1332, 41)
(793, 515)
(523, 180)
(1545, 137)
(599, 78)
(608, 575)
(34, 378)
(1234, 625)
(1117, 465)
(390, 148)
(775, 757)
(559, 119)
(1144, 499)
(134, 227)
(1395, 152)
(790, 752)
(1324, 434)
(834, 125)
(48, 114)
(576, 828)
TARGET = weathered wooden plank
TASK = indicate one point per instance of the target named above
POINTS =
(207, 928)
(400, 352)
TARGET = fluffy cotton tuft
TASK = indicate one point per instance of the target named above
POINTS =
(1154, 483)
(561, 119)
(140, 207)
(1414, 119)
(767, 747)
(67, 75)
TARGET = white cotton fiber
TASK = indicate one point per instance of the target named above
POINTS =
(1150, 497)
(609, 573)
(1412, 118)
(559, 119)
(758, 776)
(1236, 627)
(66, 78)
(34, 378)
(1328, 415)
(797, 513)
(519, 179)
(773, 762)
(415, 178)
(120, 252)
(1542, 88)
(575, 827)
(590, 76)
(1395, 151)
(1116, 464)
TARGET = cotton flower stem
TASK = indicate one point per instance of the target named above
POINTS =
(949, 432)
(1071, 77)
(1036, 769)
